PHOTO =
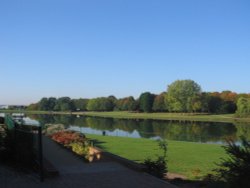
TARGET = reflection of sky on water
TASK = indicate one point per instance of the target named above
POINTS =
(116, 132)
(28, 121)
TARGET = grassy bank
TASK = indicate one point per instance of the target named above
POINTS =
(166, 116)
(193, 160)
(226, 118)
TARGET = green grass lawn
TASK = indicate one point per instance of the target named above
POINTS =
(168, 116)
(193, 160)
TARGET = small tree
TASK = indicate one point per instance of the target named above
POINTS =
(235, 170)
(158, 167)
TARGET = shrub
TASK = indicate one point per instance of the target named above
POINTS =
(235, 170)
(51, 129)
(80, 148)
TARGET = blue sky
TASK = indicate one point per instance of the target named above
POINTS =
(121, 47)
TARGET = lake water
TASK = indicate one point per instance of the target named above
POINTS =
(205, 132)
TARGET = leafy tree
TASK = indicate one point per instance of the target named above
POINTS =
(64, 104)
(159, 103)
(34, 106)
(194, 104)
(100, 104)
(126, 104)
(228, 96)
(51, 103)
(224, 102)
(180, 95)
(146, 102)
(112, 100)
(243, 107)
(80, 104)
(43, 104)
(214, 102)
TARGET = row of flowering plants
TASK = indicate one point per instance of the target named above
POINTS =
(67, 137)
(77, 143)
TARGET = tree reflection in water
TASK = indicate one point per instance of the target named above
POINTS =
(171, 130)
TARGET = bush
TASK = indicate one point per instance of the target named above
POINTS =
(156, 167)
(80, 148)
(51, 129)
(235, 170)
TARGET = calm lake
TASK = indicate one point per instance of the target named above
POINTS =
(206, 132)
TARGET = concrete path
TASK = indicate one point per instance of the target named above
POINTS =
(76, 173)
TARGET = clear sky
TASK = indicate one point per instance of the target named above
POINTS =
(81, 48)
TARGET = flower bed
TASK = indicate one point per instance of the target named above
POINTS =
(68, 137)
(77, 143)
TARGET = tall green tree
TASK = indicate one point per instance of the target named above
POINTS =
(180, 95)
(146, 101)
(43, 104)
(243, 107)
(51, 103)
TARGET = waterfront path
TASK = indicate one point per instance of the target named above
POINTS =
(74, 172)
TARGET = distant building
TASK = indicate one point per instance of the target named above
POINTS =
(17, 107)
(4, 107)
(12, 107)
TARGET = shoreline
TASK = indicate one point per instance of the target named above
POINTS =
(223, 118)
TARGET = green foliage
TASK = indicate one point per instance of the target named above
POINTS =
(3, 135)
(235, 170)
(50, 104)
(126, 104)
(64, 104)
(146, 102)
(80, 148)
(159, 103)
(80, 104)
(158, 167)
(100, 104)
(33, 107)
(243, 107)
(44, 104)
(243, 129)
(180, 95)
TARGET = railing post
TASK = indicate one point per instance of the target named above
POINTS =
(40, 154)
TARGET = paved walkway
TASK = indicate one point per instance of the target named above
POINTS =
(76, 173)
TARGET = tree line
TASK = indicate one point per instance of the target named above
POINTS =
(180, 96)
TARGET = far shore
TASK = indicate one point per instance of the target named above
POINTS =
(226, 118)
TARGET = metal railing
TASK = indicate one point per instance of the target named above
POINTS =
(26, 144)
(9, 122)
